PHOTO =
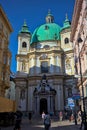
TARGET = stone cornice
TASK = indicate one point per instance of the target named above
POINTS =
(75, 18)
(2, 13)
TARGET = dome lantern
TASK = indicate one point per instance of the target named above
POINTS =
(24, 28)
(49, 17)
(66, 22)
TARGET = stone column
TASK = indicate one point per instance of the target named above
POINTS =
(57, 64)
(48, 103)
(51, 69)
(51, 103)
(37, 65)
(35, 105)
(38, 105)
(32, 66)
(61, 99)
(30, 99)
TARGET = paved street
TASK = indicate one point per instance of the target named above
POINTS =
(37, 124)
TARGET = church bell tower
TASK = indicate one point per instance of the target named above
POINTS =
(24, 37)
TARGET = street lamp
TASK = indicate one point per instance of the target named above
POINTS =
(81, 78)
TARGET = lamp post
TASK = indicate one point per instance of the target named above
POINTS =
(81, 78)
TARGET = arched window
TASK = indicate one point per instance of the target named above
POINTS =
(66, 40)
(44, 67)
(24, 44)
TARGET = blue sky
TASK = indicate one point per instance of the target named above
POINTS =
(34, 12)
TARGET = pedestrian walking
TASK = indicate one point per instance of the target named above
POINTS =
(47, 121)
(82, 120)
(30, 117)
(43, 115)
(60, 115)
(75, 117)
(79, 116)
(18, 119)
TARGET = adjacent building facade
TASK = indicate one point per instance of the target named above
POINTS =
(10, 92)
(6, 103)
(79, 39)
(5, 54)
(45, 67)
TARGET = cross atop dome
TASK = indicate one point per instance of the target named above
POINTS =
(49, 11)
(25, 23)
(66, 17)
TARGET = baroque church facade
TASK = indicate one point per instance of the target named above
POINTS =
(45, 67)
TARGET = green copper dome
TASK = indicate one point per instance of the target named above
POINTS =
(48, 31)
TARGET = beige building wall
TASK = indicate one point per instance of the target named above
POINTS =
(79, 39)
(5, 54)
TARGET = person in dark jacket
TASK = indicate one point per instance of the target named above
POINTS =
(47, 121)
(82, 120)
(18, 119)
(29, 116)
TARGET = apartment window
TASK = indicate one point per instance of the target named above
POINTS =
(5, 59)
(86, 56)
(86, 90)
(44, 67)
(9, 61)
(1, 26)
(3, 76)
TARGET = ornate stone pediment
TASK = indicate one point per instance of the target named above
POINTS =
(44, 87)
(43, 56)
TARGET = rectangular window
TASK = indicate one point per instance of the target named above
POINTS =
(9, 61)
(1, 26)
(86, 90)
(86, 56)
(5, 59)
(44, 67)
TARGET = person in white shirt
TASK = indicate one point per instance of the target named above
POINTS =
(43, 115)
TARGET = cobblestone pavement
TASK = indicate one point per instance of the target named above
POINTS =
(37, 124)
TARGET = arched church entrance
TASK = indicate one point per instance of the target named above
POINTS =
(43, 105)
